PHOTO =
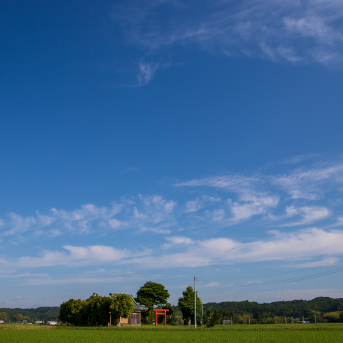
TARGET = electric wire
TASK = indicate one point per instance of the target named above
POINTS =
(267, 275)
(274, 282)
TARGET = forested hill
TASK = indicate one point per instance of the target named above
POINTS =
(296, 308)
(280, 308)
(30, 314)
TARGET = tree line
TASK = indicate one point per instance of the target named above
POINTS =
(18, 314)
(321, 309)
(94, 310)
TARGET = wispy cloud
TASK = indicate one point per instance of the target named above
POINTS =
(251, 205)
(72, 256)
(140, 213)
(310, 183)
(321, 263)
(292, 31)
(197, 204)
(146, 72)
(296, 246)
(17, 298)
(310, 244)
(235, 182)
(309, 214)
(300, 192)
(302, 196)
(70, 281)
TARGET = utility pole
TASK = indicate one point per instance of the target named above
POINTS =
(315, 319)
(285, 319)
(249, 320)
(202, 313)
(195, 304)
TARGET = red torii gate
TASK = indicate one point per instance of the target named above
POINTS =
(163, 312)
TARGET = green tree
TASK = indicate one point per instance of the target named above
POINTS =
(258, 316)
(151, 295)
(169, 307)
(121, 305)
(186, 305)
(72, 312)
(4, 316)
(213, 318)
(95, 310)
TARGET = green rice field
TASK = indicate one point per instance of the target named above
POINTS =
(313, 333)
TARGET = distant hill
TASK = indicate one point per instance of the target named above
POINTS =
(296, 308)
(32, 314)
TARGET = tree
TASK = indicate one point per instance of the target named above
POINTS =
(4, 316)
(258, 316)
(72, 312)
(186, 305)
(151, 295)
(95, 310)
(167, 306)
(121, 305)
(213, 318)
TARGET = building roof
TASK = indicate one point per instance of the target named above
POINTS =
(137, 307)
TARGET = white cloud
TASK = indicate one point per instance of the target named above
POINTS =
(153, 211)
(309, 214)
(218, 215)
(193, 205)
(301, 245)
(199, 203)
(312, 183)
(70, 281)
(180, 240)
(297, 246)
(72, 256)
(251, 205)
(321, 263)
(291, 31)
(146, 72)
(150, 229)
(235, 183)
(17, 298)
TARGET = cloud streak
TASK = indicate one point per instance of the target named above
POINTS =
(303, 245)
(290, 31)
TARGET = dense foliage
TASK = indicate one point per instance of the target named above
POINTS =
(212, 318)
(152, 295)
(186, 305)
(322, 309)
(95, 310)
(275, 312)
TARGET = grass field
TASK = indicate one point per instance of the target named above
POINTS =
(330, 333)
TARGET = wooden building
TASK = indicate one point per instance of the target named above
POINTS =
(134, 319)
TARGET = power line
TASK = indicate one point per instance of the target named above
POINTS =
(276, 282)
(267, 275)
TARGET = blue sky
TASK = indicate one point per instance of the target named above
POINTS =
(159, 140)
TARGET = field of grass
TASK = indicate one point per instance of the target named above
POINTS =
(312, 333)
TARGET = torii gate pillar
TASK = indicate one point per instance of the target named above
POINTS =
(163, 312)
